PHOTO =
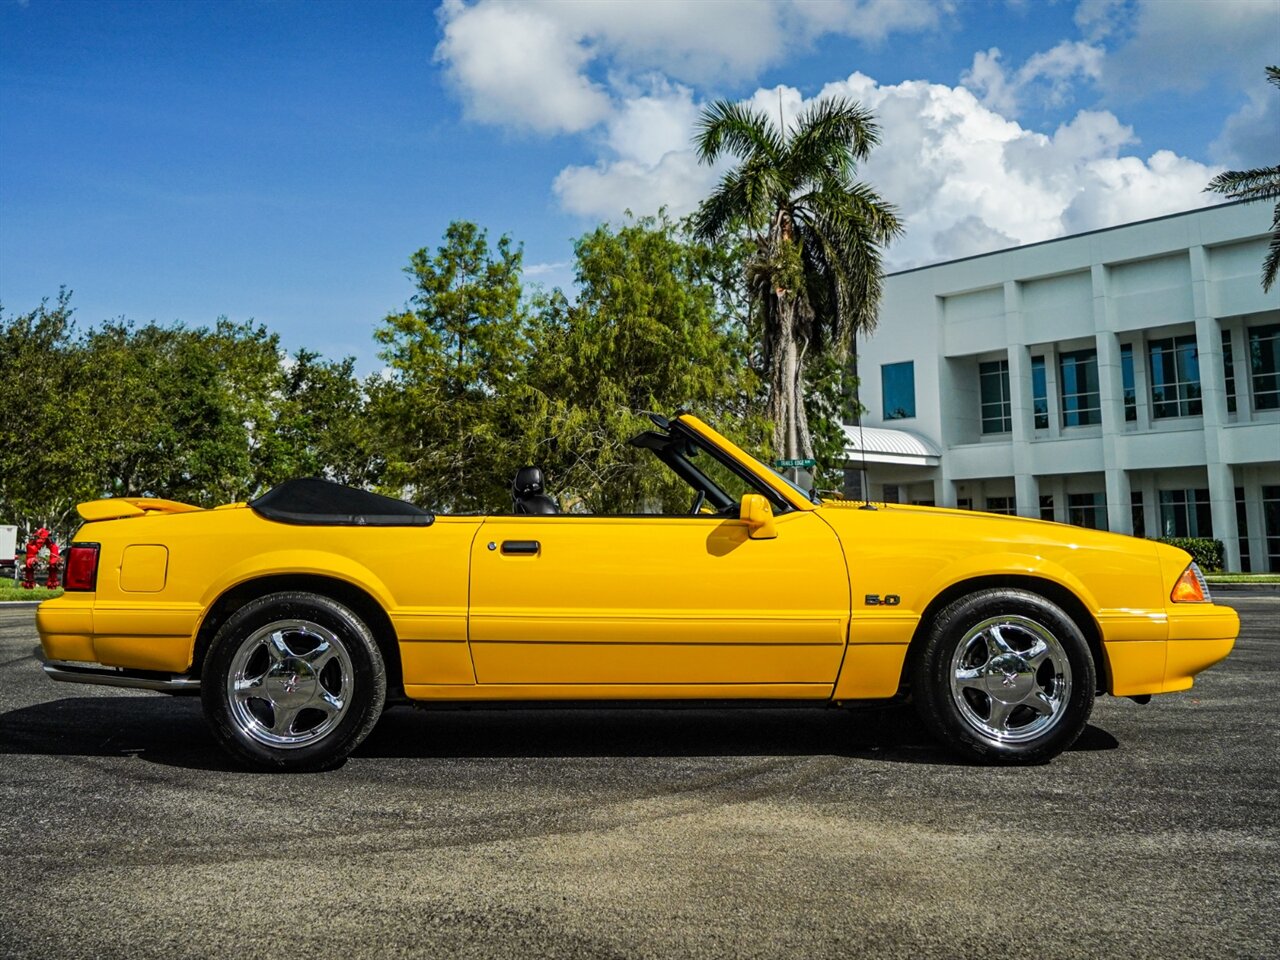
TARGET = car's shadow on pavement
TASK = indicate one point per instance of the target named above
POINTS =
(172, 732)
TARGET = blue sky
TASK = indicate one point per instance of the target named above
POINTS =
(281, 160)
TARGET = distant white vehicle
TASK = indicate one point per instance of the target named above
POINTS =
(8, 549)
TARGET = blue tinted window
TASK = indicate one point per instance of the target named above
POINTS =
(1175, 377)
(1078, 383)
(898, 390)
(1126, 375)
(1264, 366)
(1040, 394)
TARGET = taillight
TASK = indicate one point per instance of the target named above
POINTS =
(82, 567)
(1190, 587)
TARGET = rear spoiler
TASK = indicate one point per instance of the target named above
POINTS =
(117, 508)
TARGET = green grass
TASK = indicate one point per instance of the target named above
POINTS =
(12, 591)
(1242, 577)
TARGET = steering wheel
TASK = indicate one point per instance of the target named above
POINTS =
(698, 501)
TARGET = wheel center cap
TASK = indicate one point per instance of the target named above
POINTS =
(291, 682)
(1009, 678)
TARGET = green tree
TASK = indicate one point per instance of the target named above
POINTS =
(814, 272)
(455, 357)
(178, 412)
(43, 472)
(317, 425)
(648, 331)
(1261, 183)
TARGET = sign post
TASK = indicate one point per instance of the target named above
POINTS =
(800, 471)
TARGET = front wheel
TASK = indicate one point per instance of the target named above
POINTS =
(1005, 676)
(293, 681)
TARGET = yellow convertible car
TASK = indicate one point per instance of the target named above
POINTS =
(299, 616)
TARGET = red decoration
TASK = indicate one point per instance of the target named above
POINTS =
(41, 539)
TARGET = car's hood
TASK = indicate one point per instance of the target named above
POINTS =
(988, 525)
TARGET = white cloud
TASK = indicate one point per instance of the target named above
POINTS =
(965, 178)
(514, 66)
(1165, 45)
(1251, 136)
(542, 67)
(1049, 75)
(608, 189)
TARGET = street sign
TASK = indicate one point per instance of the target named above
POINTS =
(792, 464)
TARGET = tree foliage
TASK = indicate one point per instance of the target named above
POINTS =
(646, 333)
(1262, 183)
(205, 415)
(814, 271)
(456, 357)
(482, 377)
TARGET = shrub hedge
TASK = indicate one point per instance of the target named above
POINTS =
(1204, 551)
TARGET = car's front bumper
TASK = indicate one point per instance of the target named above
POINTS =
(1196, 637)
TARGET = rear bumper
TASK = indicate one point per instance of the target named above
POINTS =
(152, 639)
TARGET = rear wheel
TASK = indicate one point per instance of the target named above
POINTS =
(293, 681)
(1005, 676)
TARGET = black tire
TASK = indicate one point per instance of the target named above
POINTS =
(292, 682)
(1004, 676)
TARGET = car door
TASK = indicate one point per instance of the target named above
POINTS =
(662, 605)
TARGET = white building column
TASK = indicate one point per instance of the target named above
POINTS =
(1021, 406)
(1213, 402)
(1111, 399)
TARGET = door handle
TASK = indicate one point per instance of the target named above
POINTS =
(518, 547)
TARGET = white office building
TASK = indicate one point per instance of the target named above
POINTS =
(1126, 379)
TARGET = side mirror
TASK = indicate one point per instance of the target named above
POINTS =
(758, 515)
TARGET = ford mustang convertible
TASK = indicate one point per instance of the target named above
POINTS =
(299, 616)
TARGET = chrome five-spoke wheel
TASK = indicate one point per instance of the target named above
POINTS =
(1010, 678)
(1004, 675)
(290, 683)
(293, 681)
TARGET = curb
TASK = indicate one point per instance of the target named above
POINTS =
(1246, 589)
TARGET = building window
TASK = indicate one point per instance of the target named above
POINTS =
(1039, 393)
(1005, 505)
(1087, 510)
(1185, 513)
(1126, 377)
(1264, 364)
(1229, 371)
(1139, 517)
(1078, 381)
(1242, 528)
(891, 493)
(1271, 526)
(853, 485)
(898, 390)
(964, 503)
(1175, 377)
(1046, 507)
(993, 383)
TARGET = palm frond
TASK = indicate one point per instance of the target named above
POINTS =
(736, 128)
(1262, 183)
(830, 134)
(1272, 263)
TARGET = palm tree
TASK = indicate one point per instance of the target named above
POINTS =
(1262, 183)
(814, 274)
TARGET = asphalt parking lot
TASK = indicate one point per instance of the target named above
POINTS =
(642, 833)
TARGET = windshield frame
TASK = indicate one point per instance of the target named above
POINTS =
(778, 487)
